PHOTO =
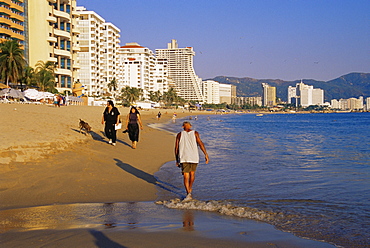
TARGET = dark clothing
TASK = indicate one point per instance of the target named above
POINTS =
(111, 117)
(133, 132)
(110, 131)
(132, 118)
(133, 127)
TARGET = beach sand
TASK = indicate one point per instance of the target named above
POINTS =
(45, 161)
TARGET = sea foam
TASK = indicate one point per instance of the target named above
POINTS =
(225, 208)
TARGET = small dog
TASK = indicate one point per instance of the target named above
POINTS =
(84, 125)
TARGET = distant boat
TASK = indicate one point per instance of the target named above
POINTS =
(259, 114)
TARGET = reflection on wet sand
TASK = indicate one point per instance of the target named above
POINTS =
(73, 216)
(188, 220)
(121, 224)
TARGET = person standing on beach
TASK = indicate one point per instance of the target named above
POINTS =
(187, 155)
(132, 125)
(111, 119)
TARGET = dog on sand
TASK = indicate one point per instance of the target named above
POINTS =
(84, 125)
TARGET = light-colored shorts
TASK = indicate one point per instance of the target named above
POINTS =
(188, 167)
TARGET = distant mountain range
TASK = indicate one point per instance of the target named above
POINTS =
(347, 86)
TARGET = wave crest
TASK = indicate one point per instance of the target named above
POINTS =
(225, 208)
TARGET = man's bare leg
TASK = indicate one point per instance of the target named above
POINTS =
(188, 181)
(191, 180)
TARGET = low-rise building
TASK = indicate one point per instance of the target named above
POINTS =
(225, 93)
(211, 91)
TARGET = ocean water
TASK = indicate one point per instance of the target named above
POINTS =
(308, 174)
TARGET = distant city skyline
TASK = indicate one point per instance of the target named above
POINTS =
(285, 39)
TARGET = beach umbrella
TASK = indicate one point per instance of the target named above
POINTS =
(44, 95)
(12, 93)
(31, 94)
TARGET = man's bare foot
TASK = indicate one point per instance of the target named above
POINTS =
(188, 197)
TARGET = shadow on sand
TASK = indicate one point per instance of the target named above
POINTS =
(104, 241)
(148, 177)
(99, 137)
(94, 135)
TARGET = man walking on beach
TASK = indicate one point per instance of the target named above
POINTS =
(187, 155)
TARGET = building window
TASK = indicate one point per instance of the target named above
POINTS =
(62, 44)
(62, 63)
(62, 81)
(69, 82)
(68, 64)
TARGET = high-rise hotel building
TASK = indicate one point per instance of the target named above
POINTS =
(269, 95)
(136, 64)
(139, 68)
(52, 36)
(181, 70)
(305, 95)
(99, 43)
(12, 18)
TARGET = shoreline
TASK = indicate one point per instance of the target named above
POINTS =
(92, 172)
(82, 169)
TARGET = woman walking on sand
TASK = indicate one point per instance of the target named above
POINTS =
(132, 124)
(111, 119)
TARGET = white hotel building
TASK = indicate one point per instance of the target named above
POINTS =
(305, 95)
(98, 43)
(139, 68)
(181, 71)
(211, 91)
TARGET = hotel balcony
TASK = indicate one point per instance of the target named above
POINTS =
(5, 10)
(18, 36)
(17, 26)
(52, 59)
(17, 7)
(52, 39)
(62, 14)
(17, 16)
(51, 19)
(6, 31)
(60, 71)
(62, 33)
(62, 52)
(5, 20)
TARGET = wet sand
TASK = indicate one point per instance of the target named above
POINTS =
(45, 161)
(137, 224)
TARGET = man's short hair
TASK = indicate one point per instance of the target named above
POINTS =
(186, 122)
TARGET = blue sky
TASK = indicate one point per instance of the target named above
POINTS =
(263, 39)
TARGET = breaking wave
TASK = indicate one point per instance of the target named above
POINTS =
(225, 208)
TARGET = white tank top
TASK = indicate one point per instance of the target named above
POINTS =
(188, 148)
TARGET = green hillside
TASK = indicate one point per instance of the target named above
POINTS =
(347, 86)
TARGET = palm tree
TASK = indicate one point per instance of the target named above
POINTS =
(28, 76)
(12, 61)
(170, 96)
(113, 87)
(155, 96)
(45, 75)
(131, 94)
